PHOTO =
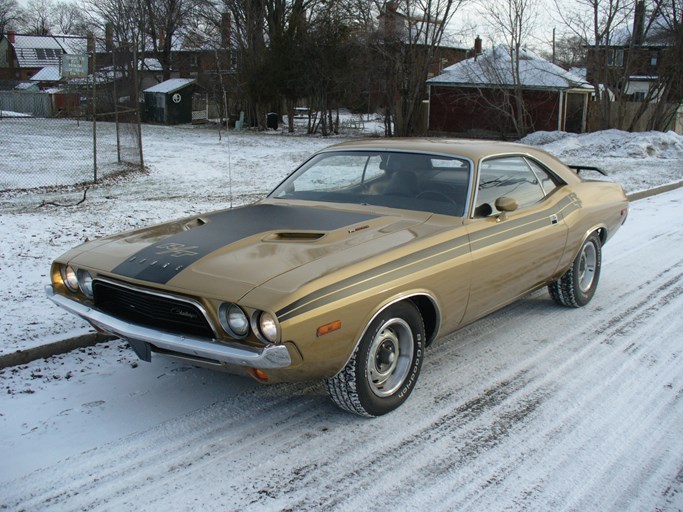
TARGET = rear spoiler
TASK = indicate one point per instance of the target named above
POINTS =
(579, 168)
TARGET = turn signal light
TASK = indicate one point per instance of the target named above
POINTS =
(259, 375)
(328, 328)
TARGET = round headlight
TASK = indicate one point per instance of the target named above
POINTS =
(69, 278)
(233, 320)
(85, 282)
(268, 327)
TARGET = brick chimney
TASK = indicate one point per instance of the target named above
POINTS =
(477, 46)
(639, 24)
(91, 42)
(226, 28)
(11, 36)
(109, 37)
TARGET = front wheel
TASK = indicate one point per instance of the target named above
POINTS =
(577, 286)
(384, 368)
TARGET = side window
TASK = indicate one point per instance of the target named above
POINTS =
(547, 181)
(509, 177)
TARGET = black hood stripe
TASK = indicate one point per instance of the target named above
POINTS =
(161, 262)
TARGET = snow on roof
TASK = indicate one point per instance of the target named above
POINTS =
(40, 51)
(151, 64)
(579, 72)
(47, 74)
(171, 85)
(26, 86)
(10, 113)
(494, 68)
(72, 44)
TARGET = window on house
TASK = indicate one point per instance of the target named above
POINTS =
(194, 60)
(654, 56)
(615, 58)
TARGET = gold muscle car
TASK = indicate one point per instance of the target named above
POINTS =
(352, 265)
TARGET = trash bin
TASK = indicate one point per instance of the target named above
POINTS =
(271, 121)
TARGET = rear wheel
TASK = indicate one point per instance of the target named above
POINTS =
(577, 286)
(383, 370)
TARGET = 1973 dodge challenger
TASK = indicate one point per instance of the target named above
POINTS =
(353, 265)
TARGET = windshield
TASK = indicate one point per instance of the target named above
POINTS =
(412, 181)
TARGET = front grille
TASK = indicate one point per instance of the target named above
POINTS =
(151, 310)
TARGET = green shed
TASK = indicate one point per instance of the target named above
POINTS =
(170, 102)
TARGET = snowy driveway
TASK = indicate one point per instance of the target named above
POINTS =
(533, 408)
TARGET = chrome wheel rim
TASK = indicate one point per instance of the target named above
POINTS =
(390, 357)
(587, 263)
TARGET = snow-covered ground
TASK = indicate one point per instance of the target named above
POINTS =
(535, 407)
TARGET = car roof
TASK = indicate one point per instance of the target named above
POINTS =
(474, 150)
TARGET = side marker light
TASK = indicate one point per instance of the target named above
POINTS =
(328, 328)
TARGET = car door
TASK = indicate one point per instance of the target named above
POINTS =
(517, 250)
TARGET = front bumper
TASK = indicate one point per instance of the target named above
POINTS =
(270, 356)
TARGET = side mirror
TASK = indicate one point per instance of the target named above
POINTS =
(505, 204)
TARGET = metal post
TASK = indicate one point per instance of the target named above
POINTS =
(137, 103)
(94, 114)
(116, 107)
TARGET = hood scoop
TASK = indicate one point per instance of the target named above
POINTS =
(294, 236)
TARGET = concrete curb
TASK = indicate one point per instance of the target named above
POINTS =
(654, 191)
(87, 340)
(52, 349)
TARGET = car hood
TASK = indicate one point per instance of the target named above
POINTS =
(226, 254)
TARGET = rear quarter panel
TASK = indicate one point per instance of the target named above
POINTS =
(602, 204)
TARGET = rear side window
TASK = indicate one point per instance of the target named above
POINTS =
(548, 181)
(509, 177)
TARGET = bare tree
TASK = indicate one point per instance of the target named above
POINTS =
(568, 52)
(511, 22)
(268, 37)
(166, 18)
(11, 15)
(39, 17)
(124, 18)
(627, 38)
(599, 24)
(69, 19)
(407, 43)
(664, 27)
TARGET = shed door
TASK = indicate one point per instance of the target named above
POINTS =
(574, 117)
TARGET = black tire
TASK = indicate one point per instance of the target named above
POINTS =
(577, 286)
(385, 366)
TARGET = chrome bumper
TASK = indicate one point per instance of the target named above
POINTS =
(271, 356)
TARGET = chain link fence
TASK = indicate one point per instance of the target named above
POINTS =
(77, 133)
